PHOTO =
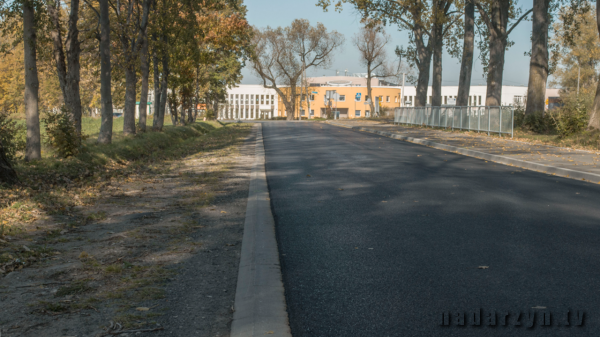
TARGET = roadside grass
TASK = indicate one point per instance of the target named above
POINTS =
(55, 198)
(55, 186)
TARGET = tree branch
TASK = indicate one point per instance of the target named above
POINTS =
(518, 21)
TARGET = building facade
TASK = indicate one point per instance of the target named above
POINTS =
(346, 96)
(249, 102)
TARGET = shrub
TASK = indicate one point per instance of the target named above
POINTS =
(571, 118)
(12, 135)
(210, 114)
(62, 135)
(537, 122)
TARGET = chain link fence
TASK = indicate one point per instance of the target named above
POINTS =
(496, 119)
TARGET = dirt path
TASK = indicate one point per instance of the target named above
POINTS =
(153, 252)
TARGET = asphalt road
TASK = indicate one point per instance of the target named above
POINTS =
(385, 236)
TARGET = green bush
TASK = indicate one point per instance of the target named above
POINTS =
(12, 135)
(61, 133)
(571, 118)
(537, 122)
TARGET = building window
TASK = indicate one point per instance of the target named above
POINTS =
(387, 98)
(312, 97)
(256, 99)
(357, 113)
(366, 98)
(301, 112)
(312, 112)
(357, 97)
(367, 113)
(272, 100)
(342, 98)
(395, 99)
(262, 99)
(251, 99)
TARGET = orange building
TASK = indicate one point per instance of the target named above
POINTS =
(343, 101)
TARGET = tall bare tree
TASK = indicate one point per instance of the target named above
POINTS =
(106, 126)
(539, 63)
(594, 122)
(145, 72)
(495, 15)
(131, 22)
(429, 24)
(32, 84)
(281, 55)
(371, 42)
(466, 67)
(68, 70)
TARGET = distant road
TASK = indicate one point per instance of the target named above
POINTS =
(385, 236)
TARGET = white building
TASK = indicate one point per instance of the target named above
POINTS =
(249, 102)
(256, 102)
(511, 95)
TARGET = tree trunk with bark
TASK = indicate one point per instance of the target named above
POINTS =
(497, 46)
(163, 87)
(438, 45)
(423, 65)
(8, 175)
(106, 126)
(157, 91)
(538, 65)
(145, 70)
(437, 38)
(68, 70)
(369, 89)
(594, 122)
(130, 93)
(497, 24)
(33, 148)
(466, 67)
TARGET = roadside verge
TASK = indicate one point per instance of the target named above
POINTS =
(260, 307)
(548, 169)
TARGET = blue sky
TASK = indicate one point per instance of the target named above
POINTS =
(274, 13)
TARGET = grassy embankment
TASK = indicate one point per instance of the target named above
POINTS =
(54, 185)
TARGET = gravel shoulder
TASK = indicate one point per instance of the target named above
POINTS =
(153, 253)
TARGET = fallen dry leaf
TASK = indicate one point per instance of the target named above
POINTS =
(483, 267)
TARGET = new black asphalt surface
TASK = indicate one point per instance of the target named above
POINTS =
(380, 237)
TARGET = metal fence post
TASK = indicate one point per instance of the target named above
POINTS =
(512, 123)
(446, 121)
(469, 114)
(478, 119)
(500, 127)
(489, 120)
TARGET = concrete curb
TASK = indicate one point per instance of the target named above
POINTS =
(260, 307)
(552, 170)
